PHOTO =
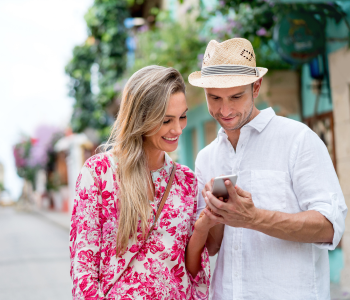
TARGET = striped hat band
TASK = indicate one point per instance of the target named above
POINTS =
(229, 70)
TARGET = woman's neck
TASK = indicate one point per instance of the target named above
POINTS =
(155, 158)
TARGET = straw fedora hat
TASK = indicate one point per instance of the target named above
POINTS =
(227, 64)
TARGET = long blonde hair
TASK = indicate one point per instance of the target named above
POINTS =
(143, 107)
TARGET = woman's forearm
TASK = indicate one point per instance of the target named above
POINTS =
(194, 251)
(214, 239)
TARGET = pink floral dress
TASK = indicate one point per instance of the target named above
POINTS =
(151, 270)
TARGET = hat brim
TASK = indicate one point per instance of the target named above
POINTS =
(223, 81)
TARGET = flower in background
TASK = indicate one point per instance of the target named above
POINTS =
(32, 154)
(261, 32)
(44, 136)
(200, 60)
(143, 28)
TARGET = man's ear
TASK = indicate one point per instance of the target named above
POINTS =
(256, 87)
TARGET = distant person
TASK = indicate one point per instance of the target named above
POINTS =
(115, 254)
(287, 209)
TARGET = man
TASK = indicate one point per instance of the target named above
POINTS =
(287, 210)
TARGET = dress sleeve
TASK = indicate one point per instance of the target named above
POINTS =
(316, 184)
(201, 283)
(85, 237)
(200, 186)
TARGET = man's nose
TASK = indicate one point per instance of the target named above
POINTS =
(225, 110)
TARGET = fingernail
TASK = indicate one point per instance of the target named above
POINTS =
(208, 193)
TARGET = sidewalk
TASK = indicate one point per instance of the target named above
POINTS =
(58, 218)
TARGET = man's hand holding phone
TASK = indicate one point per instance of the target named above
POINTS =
(209, 187)
(238, 211)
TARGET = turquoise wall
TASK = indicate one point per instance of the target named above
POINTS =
(337, 35)
(196, 118)
(309, 97)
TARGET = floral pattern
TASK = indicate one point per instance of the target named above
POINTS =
(152, 270)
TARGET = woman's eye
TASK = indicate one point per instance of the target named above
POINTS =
(183, 117)
(166, 122)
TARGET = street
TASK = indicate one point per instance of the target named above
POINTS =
(34, 258)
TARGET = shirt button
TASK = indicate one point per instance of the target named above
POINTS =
(236, 247)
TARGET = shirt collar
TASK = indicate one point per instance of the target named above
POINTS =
(262, 119)
(258, 123)
(163, 171)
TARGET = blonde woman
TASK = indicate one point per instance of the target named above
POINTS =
(115, 254)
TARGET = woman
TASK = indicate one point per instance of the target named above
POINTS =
(117, 197)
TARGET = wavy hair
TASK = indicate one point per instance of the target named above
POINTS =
(144, 103)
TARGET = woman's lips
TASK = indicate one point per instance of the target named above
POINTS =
(172, 141)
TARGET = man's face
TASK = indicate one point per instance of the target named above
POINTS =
(232, 107)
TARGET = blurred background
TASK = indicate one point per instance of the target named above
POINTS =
(63, 66)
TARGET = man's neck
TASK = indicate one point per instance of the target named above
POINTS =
(233, 135)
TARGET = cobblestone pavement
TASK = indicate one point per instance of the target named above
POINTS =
(34, 258)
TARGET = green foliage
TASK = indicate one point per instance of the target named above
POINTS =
(105, 49)
(256, 19)
(171, 44)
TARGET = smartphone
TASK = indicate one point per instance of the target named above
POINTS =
(219, 188)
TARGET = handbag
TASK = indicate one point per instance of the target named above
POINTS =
(159, 210)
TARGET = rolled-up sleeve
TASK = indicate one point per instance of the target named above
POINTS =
(316, 184)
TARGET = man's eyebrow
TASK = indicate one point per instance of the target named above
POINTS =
(238, 94)
(170, 116)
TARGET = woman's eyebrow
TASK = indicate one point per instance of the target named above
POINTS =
(170, 116)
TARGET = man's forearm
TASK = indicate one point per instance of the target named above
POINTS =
(305, 227)
(214, 239)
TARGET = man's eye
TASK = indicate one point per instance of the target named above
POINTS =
(166, 122)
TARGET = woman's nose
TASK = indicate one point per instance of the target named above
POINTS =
(176, 130)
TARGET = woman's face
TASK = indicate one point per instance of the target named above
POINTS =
(167, 138)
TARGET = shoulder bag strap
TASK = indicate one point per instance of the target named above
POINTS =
(159, 210)
(165, 196)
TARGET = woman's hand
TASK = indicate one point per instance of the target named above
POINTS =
(204, 223)
(197, 241)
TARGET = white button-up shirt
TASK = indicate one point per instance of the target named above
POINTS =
(287, 168)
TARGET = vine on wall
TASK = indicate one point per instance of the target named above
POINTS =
(97, 64)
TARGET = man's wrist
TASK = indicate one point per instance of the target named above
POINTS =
(258, 219)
